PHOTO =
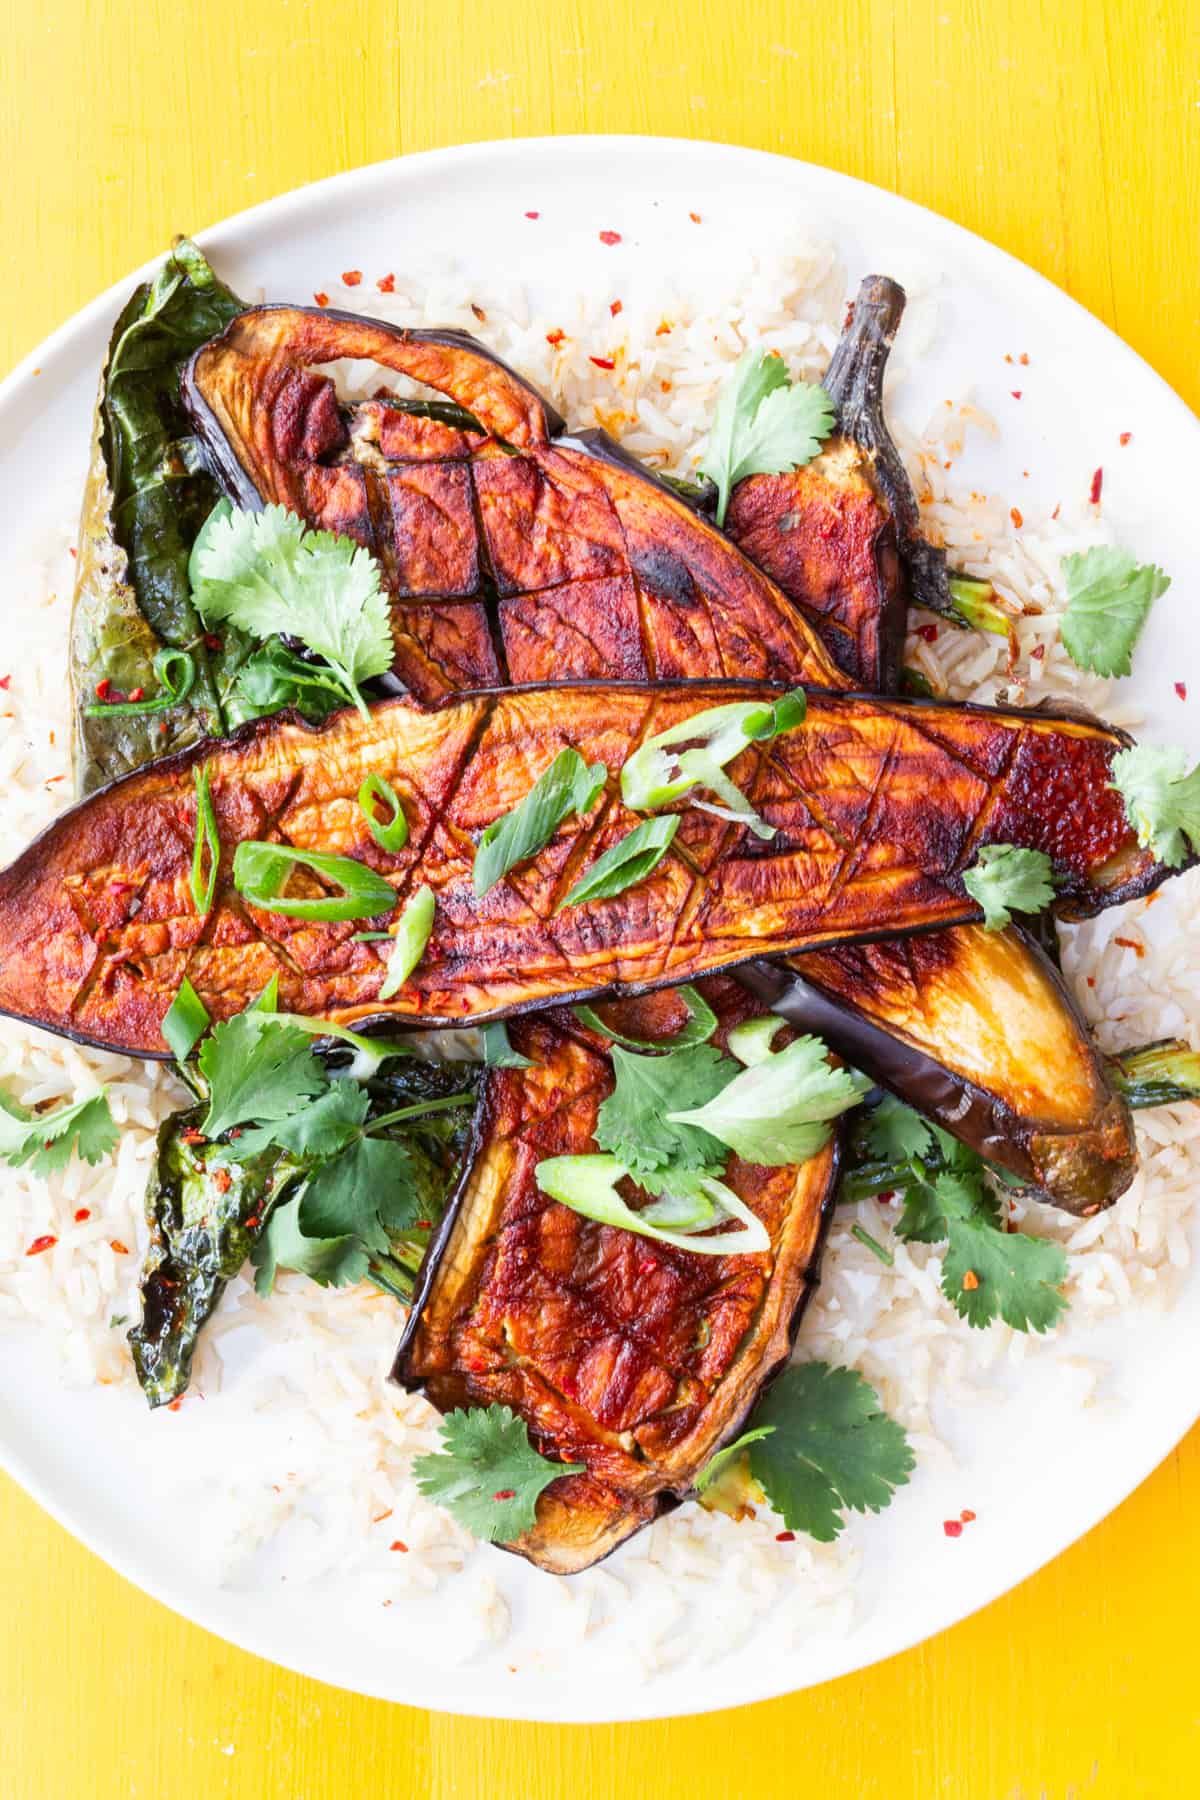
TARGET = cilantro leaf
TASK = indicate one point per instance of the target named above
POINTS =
(569, 785)
(831, 1447)
(331, 1122)
(1004, 880)
(1109, 597)
(365, 1192)
(257, 1071)
(763, 424)
(487, 1474)
(45, 1141)
(1162, 801)
(722, 1458)
(498, 1051)
(988, 1273)
(633, 1121)
(275, 677)
(778, 1110)
(268, 574)
(896, 1132)
(330, 1262)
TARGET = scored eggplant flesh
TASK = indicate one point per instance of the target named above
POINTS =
(632, 1357)
(511, 554)
(877, 807)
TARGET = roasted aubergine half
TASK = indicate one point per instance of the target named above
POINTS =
(631, 1357)
(876, 806)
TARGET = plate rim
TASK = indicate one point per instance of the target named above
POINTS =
(409, 168)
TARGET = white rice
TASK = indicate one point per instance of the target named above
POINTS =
(312, 1446)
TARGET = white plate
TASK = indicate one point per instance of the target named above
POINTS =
(1039, 1470)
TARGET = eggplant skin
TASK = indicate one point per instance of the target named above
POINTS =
(631, 1357)
(877, 805)
(1021, 1082)
(511, 553)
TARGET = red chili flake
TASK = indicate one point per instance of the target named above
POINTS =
(117, 1247)
(1124, 437)
(84, 1212)
(1091, 981)
(928, 632)
(386, 284)
(224, 1181)
(212, 640)
(1015, 514)
(137, 693)
(1016, 393)
(616, 308)
(351, 277)
(505, 1494)
(602, 362)
(424, 1224)
(1056, 511)
(41, 1243)
(192, 1136)
(610, 237)
(664, 330)
(103, 689)
(785, 1537)
(694, 217)
(4, 680)
(479, 313)
(1037, 653)
(380, 1517)
(970, 1281)
(321, 299)
(967, 1516)
(1023, 359)
(398, 1544)
(74, 552)
(1131, 944)
(1097, 484)
(555, 338)
(533, 215)
(175, 1405)
(253, 1222)
(1181, 689)
(952, 1527)
(51, 779)
(666, 386)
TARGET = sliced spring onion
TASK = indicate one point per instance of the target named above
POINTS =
(975, 607)
(659, 773)
(1160, 1074)
(588, 1185)
(207, 841)
(370, 1053)
(726, 1454)
(186, 1021)
(498, 1052)
(624, 863)
(412, 935)
(873, 1245)
(175, 672)
(751, 1042)
(569, 785)
(702, 1022)
(390, 834)
(261, 871)
(268, 1000)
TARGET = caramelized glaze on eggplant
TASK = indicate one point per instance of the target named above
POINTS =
(631, 1357)
(878, 806)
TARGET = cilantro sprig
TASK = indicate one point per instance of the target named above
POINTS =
(1004, 879)
(1109, 596)
(44, 1142)
(487, 1474)
(1162, 801)
(988, 1272)
(763, 424)
(268, 574)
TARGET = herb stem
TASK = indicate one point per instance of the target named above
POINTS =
(872, 1244)
(466, 1098)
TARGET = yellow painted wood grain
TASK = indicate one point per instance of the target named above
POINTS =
(1067, 132)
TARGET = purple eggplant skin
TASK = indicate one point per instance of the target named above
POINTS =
(1081, 1161)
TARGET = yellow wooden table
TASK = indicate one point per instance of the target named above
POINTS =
(1067, 132)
